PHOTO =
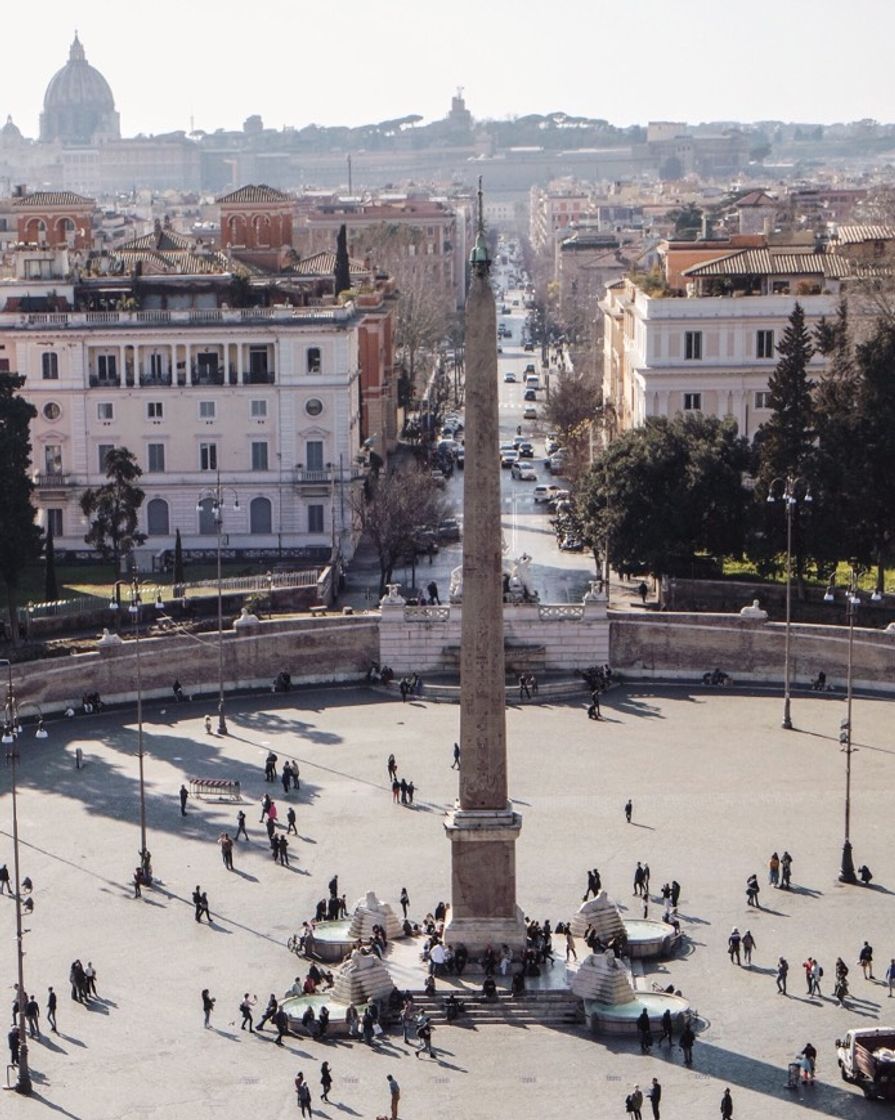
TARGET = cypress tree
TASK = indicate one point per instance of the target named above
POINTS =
(343, 271)
(51, 591)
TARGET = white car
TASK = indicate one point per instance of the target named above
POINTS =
(509, 457)
(524, 472)
(530, 413)
(545, 492)
(510, 378)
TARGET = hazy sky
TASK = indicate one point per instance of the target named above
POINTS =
(352, 62)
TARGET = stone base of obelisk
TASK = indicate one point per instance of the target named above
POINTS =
(483, 881)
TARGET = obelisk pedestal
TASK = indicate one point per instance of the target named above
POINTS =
(483, 827)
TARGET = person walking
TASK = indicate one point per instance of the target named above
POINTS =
(203, 907)
(326, 1081)
(455, 765)
(688, 1037)
(785, 870)
(675, 894)
(269, 1011)
(208, 1003)
(396, 791)
(782, 973)
(245, 1009)
(290, 820)
(184, 794)
(570, 945)
(752, 889)
(281, 1022)
(303, 1092)
(726, 1106)
(265, 807)
(629, 809)
(666, 1028)
(14, 1040)
(638, 879)
(394, 1090)
(733, 946)
(815, 978)
(241, 825)
(226, 850)
(51, 1010)
(774, 869)
(865, 960)
(284, 852)
(286, 779)
(655, 1095)
(645, 1031)
(523, 687)
(32, 1015)
(4, 879)
(748, 946)
(593, 712)
(634, 1103)
(392, 767)
(890, 976)
(404, 900)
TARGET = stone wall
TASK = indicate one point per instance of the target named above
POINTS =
(537, 637)
(313, 651)
(686, 645)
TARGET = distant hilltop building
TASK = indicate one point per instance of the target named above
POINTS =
(78, 106)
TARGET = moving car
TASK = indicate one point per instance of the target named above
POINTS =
(529, 347)
(529, 395)
(545, 492)
(530, 413)
(557, 462)
(524, 472)
(449, 529)
(530, 368)
(526, 449)
(510, 378)
(508, 458)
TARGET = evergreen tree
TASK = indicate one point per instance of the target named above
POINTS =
(20, 538)
(785, 447)
(178, 560)
(343, 271)
(51, 590)
(113, 508)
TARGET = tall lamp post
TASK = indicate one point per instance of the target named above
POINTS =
(787, 492)
(134, 610)
(853, 601)
(12, 729)
(215, 495)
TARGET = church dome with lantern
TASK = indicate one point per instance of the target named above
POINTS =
(79, 108)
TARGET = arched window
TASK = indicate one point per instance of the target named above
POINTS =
(262, 230)
(260, 519)
(237, 230)
(207, 524)
(157, 518)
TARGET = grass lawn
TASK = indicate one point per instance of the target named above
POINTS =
(75, 580)
(742, 569)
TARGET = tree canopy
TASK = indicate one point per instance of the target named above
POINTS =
(113, 508)
(20, 539)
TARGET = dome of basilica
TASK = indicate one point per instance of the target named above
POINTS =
(78, 106)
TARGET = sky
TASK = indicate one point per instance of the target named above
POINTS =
(351, 62)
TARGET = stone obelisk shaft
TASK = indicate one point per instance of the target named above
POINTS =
(483, 827)
(483, 773)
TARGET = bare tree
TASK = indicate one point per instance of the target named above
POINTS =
(573, 410)
(398, 509)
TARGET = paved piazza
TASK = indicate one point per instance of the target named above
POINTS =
(716, 785)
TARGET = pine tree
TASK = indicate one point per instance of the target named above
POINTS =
(20, 538)
(178, 561)
(114, 508)
(343, 270)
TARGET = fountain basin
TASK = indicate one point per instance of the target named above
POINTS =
(647, 938)
(331, 941)
(621, 1018)
(295, 1007)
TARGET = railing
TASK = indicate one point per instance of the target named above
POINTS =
(197, 316)
(65, 607)
(258, 377)
(301, 476)
(97, 382)
(427, 614)
(53, 480)
(561, 612)
(155, 379)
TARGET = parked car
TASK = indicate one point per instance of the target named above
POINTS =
(509, 377)
(529, 347)
(545, 492)
(556, 463)
(530, 413)
(524, 472)
(551, 444)
(438, 477)
(460, 458)
(571, 543)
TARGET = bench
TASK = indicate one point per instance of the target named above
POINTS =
(318, 612)
(220, 788)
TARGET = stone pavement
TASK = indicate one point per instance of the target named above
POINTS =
(716, 786)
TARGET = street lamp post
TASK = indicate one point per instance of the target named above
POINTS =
(11, 731)
(216, 496)
(134, 610)
(853, 601)
(788, 493)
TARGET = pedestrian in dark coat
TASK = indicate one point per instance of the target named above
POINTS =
(184, 794)
(726, 1105)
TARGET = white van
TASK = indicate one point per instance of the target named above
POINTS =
(532, 381)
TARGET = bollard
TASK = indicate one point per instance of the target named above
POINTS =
(79, 758)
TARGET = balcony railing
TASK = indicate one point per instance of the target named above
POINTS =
(97, 382)
(258, 377)
(79, 320)
(301, 476)
(54, 480)
(154, 379)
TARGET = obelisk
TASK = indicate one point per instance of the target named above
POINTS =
(483, 827)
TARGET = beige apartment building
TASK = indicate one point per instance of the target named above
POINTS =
(268, 399)
(705, 340)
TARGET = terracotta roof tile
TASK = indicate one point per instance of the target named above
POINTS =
(47, 199)
(252, 194)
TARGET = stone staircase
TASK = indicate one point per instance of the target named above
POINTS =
(547, 1008)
